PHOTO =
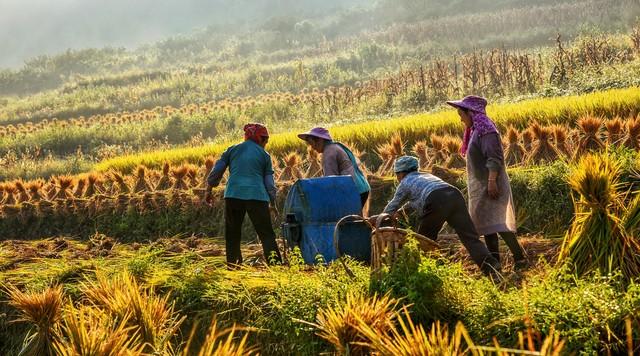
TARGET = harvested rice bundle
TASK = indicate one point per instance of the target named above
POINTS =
(384, 151)
(165, 180)
(80, 184)
(50, 189)
(514, 151)
(438, 152)
(64, 185)
(614, 131)
(92, 185)
(208, 167)
(142, 184)
(192, 175)
(179, 174)
(452, 145)
(21, 191)
(292, 162)
(315, 168)
(388, 152)
(10, 190)
(589, 139)
(561, 138)
(598, 239)
(119, 184)
(527, 140)
(420, 149)
(34, 188)
(632, 135)
(543, 149)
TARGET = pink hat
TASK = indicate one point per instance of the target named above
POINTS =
(319, 132)
(471, 102)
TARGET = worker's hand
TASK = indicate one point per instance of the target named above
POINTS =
(492, 189)
(208, 197)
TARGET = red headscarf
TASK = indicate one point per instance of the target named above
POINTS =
(255, 132)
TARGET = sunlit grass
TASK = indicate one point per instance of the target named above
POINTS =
(366, 136)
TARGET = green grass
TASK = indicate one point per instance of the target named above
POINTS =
(588, 312)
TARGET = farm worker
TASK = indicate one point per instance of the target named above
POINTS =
(437, 202)
(490, 200)
(249, 190)
(337, 159)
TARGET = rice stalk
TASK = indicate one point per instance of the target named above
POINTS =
(599, 238)
(43, 310)
(340, 325)
(514, 151)
(152, 316)
(220, 343)
(90, 332)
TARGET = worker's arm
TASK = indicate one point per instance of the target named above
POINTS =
(399, 199)
(216, 174)
(330, 161)
(492, 150)
(270, 184)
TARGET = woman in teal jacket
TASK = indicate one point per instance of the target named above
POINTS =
(249, 190)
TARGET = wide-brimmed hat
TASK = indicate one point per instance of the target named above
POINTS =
(405, 164)
(471, 102)
(319, 132)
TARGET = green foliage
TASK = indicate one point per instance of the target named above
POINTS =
(278, 303)
(416, 281)
(542, 198)
(588, 313)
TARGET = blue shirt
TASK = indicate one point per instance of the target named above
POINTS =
(414, 190)
(250, 173)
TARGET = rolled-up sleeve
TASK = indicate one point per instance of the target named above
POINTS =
(399, 199)
(216, 174)
(492, 149)
(270, 185)
(269, 181)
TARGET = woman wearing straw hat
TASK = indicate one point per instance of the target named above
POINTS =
(249, 190)
(337, 159)
(490, 200)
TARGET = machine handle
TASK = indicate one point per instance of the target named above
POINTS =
(384, 217)
(336, 238)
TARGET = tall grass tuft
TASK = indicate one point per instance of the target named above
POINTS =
(151, 315)
(220, 343)
(340, 325)
(89, 331)
(411, 339)
(43, 310)
(598, 239)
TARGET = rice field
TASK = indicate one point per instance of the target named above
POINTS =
(367, 136)
(108, 248)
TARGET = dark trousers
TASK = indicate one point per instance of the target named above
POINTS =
(448, 205)
(493, 244)
(235, 210)
(363, 198)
